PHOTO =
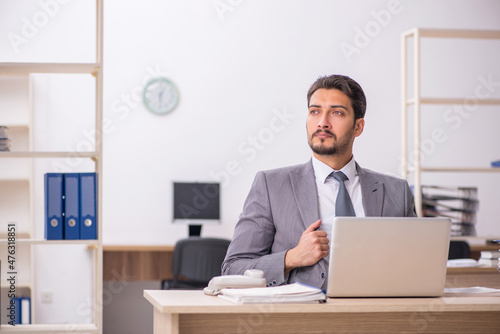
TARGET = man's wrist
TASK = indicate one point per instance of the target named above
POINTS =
(289, 263)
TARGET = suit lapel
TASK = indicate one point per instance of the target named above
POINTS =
(372, 192)
(306, 195)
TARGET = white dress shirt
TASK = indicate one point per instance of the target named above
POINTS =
(328, 189)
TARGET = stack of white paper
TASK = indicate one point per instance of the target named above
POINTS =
(474, 289)
(461, 263)
(290, 293)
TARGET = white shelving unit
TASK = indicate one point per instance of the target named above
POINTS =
(21, 182)
(417, 101)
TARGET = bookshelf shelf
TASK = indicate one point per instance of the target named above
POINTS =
(17, 126)
(19, 235)
(18, 285)
(448, 101)
(49, 242)
(49, 154)
(417, 34)
(14, 179)
(457, 169)
(20, 173)
(7, 180)
(453, 33)
(49, 329)
(14, 69)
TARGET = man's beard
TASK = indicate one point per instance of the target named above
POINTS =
(337, 148)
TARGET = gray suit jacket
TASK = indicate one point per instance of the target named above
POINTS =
(282, 203)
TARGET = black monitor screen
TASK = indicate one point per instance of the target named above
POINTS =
(196, 201)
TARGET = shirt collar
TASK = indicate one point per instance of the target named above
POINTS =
(322, 170)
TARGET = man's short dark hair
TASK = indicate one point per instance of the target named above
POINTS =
(346, 85)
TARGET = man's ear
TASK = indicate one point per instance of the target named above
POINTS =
(359, 125)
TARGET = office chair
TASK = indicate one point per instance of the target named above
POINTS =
(195, 261)
(458, 250)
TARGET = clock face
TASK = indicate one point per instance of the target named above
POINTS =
(160, 96)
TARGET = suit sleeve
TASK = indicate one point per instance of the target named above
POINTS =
(253, 238)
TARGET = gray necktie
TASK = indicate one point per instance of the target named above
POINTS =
(343, 206)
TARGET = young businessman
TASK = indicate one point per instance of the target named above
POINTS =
(283, 229)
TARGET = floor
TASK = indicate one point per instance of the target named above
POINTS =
(125, 310)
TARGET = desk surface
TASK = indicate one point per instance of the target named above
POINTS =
(193, 312)
(177, 301)
(138, 248)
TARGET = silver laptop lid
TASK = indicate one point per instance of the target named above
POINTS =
(388, 257)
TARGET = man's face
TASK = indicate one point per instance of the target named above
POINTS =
(330, 123)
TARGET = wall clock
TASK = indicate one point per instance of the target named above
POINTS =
(160, 96)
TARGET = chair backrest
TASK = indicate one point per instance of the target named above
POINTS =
(199, 259)
(458, 250)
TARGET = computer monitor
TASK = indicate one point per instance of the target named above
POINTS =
(196, 203)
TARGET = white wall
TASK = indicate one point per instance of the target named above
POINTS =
(234, 73)
(242, 71)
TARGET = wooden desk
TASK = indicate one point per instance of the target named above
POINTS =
(150, 262)
(469, 277)
(475, 250)
(193, 312)
(478, 244)
(137, 263)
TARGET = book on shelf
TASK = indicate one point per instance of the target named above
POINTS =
(25, 310)
(19, 311)
(70, 206)
(289, 293)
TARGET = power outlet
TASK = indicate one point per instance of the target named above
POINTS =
(46, 297)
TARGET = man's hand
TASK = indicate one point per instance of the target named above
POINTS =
(312, 247)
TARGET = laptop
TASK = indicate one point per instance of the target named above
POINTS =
(388, 257)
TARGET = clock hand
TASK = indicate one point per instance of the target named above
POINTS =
(161, 97)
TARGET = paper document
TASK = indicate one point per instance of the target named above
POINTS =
(475, 289)
(461, 263)
(290, 293)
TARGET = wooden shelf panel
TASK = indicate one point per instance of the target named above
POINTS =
(51, 242)
(461, 169)
(19, 285)
(13, 126)
(137, 262)
(48, 329)
(19, 235)
(7, 69)
(138, 248)
(453, 33)
(457, 169)
(15, 179)
(49, 154)
(450, 101)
